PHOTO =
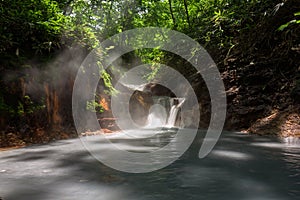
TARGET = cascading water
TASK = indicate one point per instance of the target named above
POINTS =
(164, 112)
(157, 116)
(158, 112)
(176, 104)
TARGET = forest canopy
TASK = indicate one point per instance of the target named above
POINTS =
(36, 27)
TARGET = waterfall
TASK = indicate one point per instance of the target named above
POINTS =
(176, 104)
(164, 112)
(157, 116)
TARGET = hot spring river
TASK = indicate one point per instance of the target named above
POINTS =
(240, 167)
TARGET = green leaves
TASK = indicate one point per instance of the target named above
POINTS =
(294, 21)
(94, 106)
(30, 23)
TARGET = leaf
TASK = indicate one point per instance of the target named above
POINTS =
(283, 26)
(110, 47)
(297, 13)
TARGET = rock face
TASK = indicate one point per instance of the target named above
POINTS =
(156, 89)
(139, 105)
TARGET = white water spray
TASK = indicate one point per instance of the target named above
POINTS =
(164, 112)
(176, 104)
(157, 116)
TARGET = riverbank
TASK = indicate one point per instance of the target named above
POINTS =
(281, 124)
(284, 123)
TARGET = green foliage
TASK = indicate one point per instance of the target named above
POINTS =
(30, 26)
(294, 21)
(40, 25)
(30, 106)
(213, 23)
(154, 58)
(94, 106)
(107, 82)
(25, 106)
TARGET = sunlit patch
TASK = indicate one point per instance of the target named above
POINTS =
(268, 144)
(104, 104)
(232, 154)
(291, 141)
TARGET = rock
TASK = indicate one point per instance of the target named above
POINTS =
(108, 124)
(139, 105)
(156, 89)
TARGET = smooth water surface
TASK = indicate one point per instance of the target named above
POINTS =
(240, 167)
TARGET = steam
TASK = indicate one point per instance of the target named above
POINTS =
(58, 73)
(47, 85)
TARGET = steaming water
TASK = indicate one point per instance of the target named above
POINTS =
(240, 167)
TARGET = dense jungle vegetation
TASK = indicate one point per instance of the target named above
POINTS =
(255, 44)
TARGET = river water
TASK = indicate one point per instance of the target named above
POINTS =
(240, 167)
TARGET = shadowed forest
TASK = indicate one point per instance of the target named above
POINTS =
(255, 44)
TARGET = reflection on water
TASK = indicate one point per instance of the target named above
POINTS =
(239, 167)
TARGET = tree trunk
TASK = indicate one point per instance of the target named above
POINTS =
(172, 14)
(52, 103)
(187, 12)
